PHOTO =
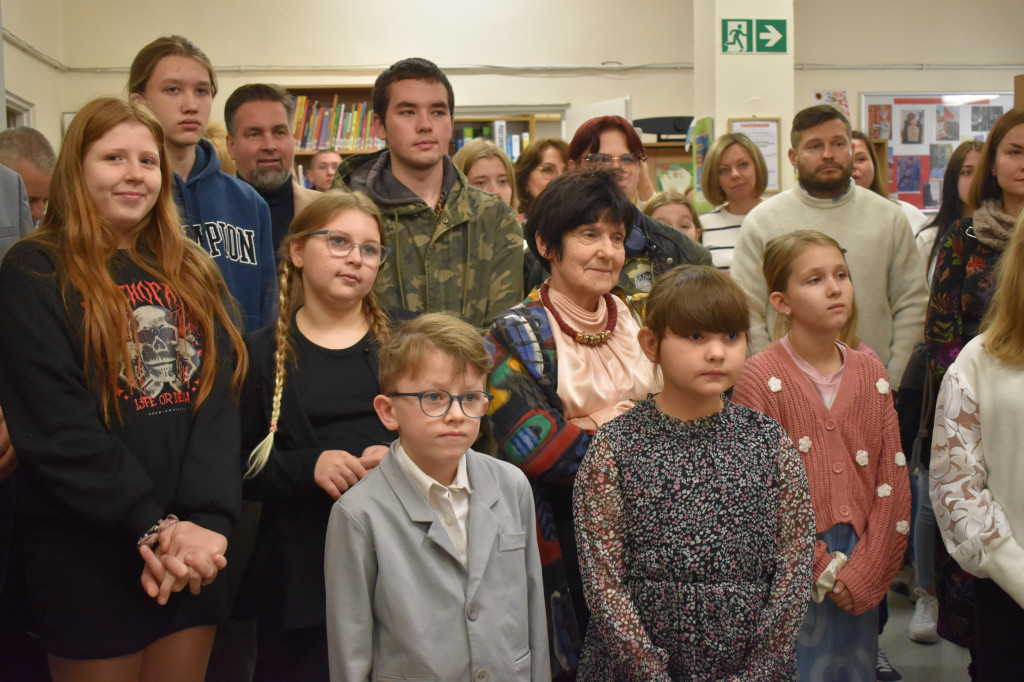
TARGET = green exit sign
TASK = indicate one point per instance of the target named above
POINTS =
(754, 36)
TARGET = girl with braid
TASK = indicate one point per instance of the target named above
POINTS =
(312, 379)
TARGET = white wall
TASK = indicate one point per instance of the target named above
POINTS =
(340, 42)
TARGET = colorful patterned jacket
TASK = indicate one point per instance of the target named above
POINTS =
(464, 256)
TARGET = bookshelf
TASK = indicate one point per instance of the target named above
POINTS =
(665, 154)
(339, 117)
(510, 132)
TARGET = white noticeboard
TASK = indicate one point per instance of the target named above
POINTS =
(763, 132)
(576, 116)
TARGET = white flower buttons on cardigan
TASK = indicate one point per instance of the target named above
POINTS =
(882, 385)
(902, 527)
(775, 384)
(804, 445)
(884, 490)
(901, 459)
(862, 458)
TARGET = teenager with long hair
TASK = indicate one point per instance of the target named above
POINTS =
(118, 384)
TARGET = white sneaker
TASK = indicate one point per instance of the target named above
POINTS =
(926, 617)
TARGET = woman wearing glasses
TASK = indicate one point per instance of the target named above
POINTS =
(540, 163)
(312, 380)
(651, 247)
(566, 361)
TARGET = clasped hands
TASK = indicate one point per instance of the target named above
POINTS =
(184, 554)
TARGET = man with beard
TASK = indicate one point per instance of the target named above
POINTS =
(888, 278)
(259, 121)
(456, 248)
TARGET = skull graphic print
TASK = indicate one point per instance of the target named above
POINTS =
(164, 357)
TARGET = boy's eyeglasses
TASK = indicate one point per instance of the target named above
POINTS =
(340, 244)
(628, 161)
(436, 403)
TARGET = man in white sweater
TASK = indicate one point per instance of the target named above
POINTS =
(888, 277)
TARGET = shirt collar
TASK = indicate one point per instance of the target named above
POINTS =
(425, 482)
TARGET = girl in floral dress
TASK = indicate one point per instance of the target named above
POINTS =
(835, 404)
(693, 517)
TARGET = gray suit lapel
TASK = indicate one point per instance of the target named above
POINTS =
(416, 507)
(482, 533)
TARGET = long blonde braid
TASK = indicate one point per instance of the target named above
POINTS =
(290, 296)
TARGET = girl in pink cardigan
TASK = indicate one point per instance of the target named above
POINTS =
(835, 404)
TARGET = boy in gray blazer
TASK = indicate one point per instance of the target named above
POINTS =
(432, 567)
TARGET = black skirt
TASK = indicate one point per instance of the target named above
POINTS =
(86, 597)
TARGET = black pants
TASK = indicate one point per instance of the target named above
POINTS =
(1000, 634)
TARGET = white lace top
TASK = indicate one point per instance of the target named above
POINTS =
(977, 466)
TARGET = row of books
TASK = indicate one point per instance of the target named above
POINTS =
(511, 143)
(338, 126)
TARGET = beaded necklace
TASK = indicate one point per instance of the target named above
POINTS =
(583, 338)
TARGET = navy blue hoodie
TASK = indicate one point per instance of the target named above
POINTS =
(232, 222)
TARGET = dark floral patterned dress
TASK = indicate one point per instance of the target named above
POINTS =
(961, 292)
(696, 542)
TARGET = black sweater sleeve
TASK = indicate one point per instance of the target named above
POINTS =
(210, 485)
(53, 418)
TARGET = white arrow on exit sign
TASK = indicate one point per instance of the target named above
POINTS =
(770, 36)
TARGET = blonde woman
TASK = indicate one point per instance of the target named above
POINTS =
(486, 167)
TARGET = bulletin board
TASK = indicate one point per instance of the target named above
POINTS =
(764, 133)
(923, 129)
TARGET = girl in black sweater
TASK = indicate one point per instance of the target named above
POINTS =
(116, 385)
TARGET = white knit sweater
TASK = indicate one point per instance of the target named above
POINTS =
(888, 277)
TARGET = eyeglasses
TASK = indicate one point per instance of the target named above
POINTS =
(547, 170)
(628, 161)
(436, 403)
(340, 244)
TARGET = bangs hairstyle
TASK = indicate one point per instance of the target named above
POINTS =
(587, 138)
(528, 161)
(83, 245)
(984, 184)
(671, 197)
(777, 267)
(482, 148)
(1003, 322)
(876, 180)
(291, 296)
(710, 184)
(572, 199)
(414, 68)
(696, 298)
(168, 46)
(406, 350)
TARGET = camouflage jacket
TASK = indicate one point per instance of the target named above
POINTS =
(466, 257)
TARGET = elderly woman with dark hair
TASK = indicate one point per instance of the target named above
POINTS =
(651, 247)
(566, 361)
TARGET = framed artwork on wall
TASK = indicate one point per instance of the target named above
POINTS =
(922, 130)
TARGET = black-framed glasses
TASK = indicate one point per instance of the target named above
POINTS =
(436, 402)
(629, 160)
(340, 244)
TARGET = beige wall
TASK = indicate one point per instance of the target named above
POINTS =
(244, 41)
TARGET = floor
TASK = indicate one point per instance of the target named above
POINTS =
(941, 662)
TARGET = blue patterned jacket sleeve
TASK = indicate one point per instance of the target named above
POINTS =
(526, 412)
